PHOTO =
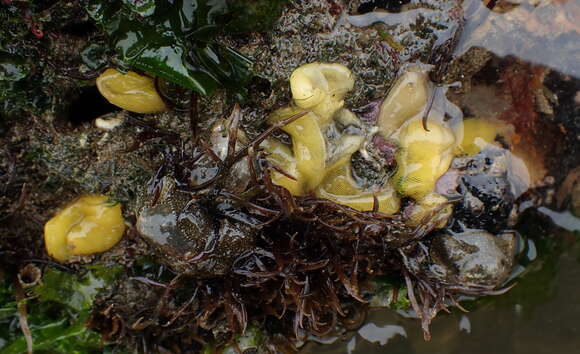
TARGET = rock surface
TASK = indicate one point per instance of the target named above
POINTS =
(190, 239)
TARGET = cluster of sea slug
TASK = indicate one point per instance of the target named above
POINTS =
(319, 159)
(318, 162)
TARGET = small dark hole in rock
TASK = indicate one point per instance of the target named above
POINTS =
(259, 88)
(79, 29)
(389, 5)
(489, 74)
(89, 105)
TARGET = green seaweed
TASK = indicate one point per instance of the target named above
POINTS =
(385, 292)
(58, 309)
(175, 42)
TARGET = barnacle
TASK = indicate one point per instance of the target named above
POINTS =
(406, 99)
(91, 224)
(130, 91)
(423, 157)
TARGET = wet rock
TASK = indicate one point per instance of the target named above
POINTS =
(465, 67)
(487, 190)
(564, 151)
(188, 237)
(100, 157)
(576, 200)
(472, 258)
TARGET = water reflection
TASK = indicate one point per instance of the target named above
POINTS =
(540, 315)
(381, 335)
(564, 219)
(540, 32)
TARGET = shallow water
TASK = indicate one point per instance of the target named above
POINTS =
(540, 315)
(534, 31)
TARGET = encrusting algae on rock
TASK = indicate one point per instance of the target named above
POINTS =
(130, 91)
(91, 224)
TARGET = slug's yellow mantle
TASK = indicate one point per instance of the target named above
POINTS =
(424, 156)
(91, 224)
(321, 87)
(477, 133)
(406, 99)
(130, 91)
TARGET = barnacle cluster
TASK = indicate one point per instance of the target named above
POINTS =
(324, 139)
(91, 224)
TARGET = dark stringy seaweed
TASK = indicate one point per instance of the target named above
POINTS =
(305, 271)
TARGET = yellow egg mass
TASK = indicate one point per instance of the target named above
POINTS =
(130, 91)
(91, 224)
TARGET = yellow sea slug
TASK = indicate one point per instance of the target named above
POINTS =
(130, 91)
(281, 156)
(308, 145)
(406, 99)
(477, 133)
(340, 187)
(321, 87)
(91, 224)
(424, 156)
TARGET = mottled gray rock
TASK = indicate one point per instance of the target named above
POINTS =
(472, 258)
(189, 238)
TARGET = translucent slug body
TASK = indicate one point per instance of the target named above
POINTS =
(406, 100)
(477, 133)
(130, 91)
(423, 157)
(324, 140)
(91, 224)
